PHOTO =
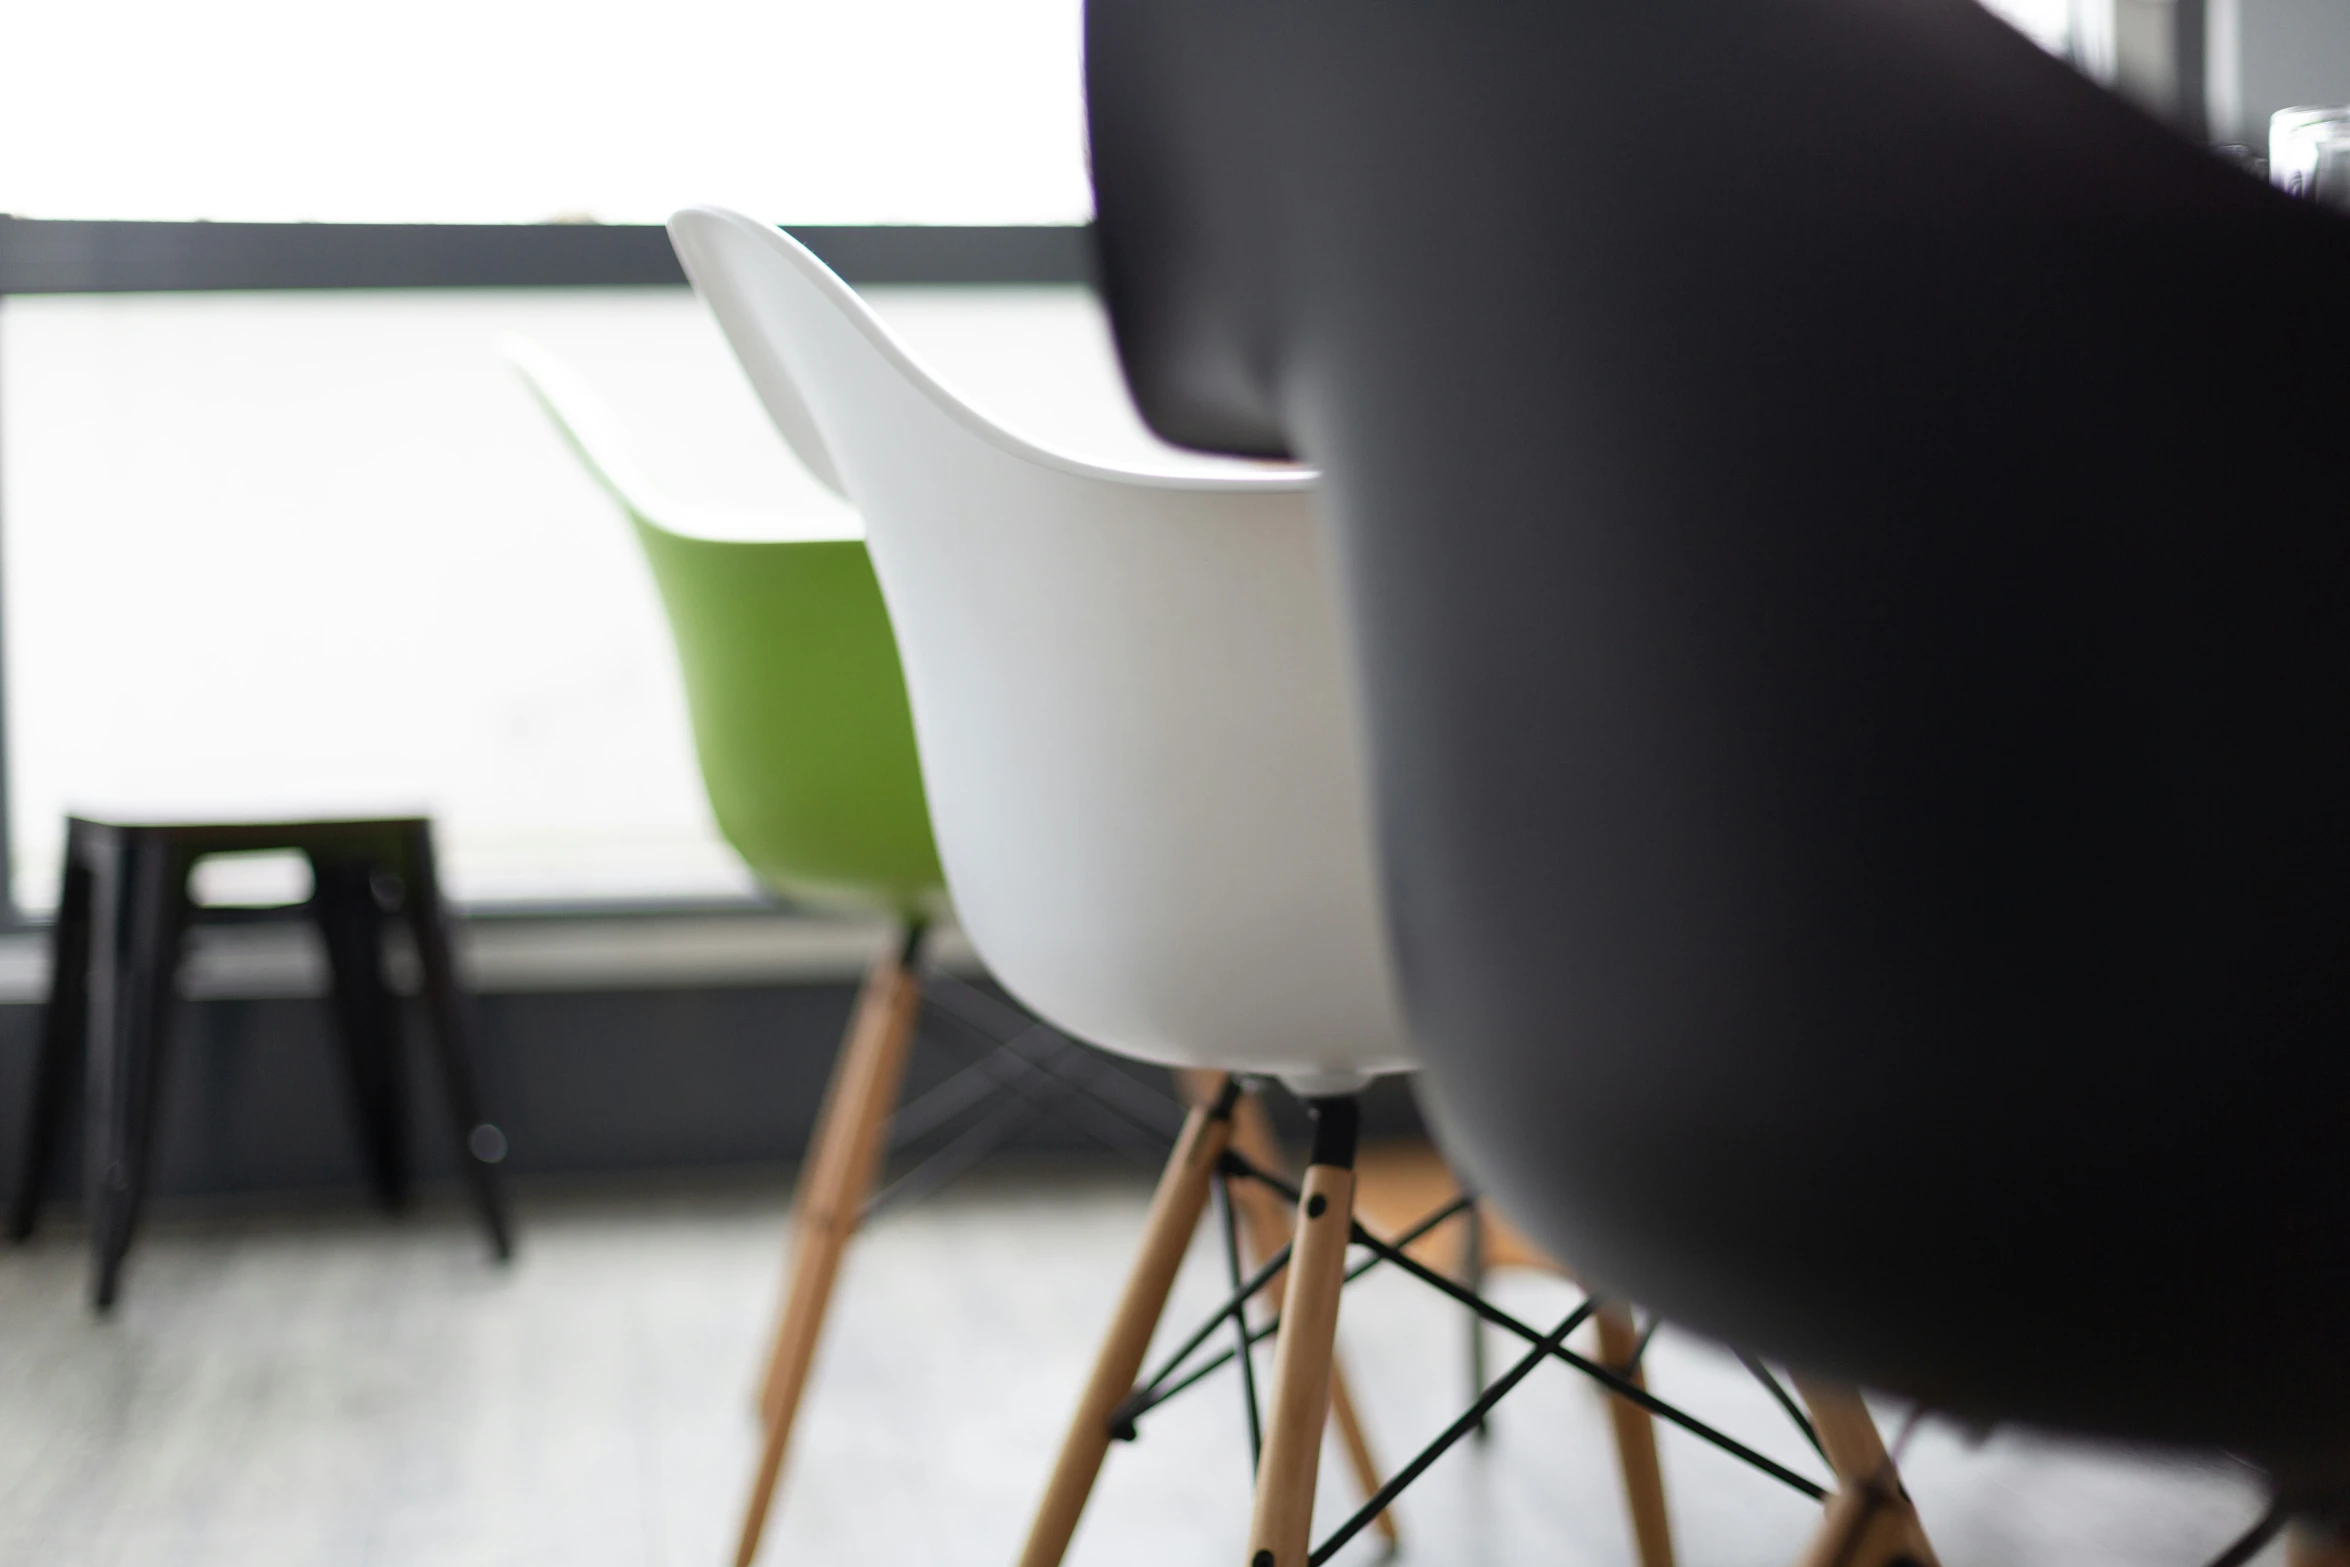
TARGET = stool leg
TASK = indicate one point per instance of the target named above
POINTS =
(1870, 1521)
(1175, 1213)
(1280, 1531)
(1635, 1430)
(350, 922)
(1264, 1217)
(127, 1069)
(848, 1149)
(65, 1023)
(481, 1146)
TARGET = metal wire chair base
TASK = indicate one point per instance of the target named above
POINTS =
(1180, 1370)
(1024, 1071)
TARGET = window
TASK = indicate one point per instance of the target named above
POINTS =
(2048, 23)
(317, 552)
(521, 111)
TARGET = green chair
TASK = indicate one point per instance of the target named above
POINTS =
(792, 679)
(807, 751)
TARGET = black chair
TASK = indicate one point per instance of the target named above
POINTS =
(1844, 524)
(123, 914)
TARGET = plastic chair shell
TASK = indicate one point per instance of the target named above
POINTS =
(1128, 692)
(792, 679)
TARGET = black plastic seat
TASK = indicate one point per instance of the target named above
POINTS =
(1844, 525)
(123, 915)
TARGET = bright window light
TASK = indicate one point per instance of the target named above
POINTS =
(520, 111)
(2048, 23)
(320, 554)
(317, 553)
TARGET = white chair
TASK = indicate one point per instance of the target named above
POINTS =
(797, 601)
(1079, 945)
(1144, 775)
(1146, 782)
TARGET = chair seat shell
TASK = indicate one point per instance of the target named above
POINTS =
(1128, 692)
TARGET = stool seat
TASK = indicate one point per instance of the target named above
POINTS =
(123, 914)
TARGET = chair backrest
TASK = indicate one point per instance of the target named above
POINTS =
(1842, 528)
(791, 678)
(1128, 693)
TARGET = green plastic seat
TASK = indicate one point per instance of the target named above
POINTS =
(807, 752)
(792, 680)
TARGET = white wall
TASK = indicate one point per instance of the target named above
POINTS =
(2286, 52)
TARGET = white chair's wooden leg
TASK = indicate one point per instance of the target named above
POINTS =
(1635, 1431)
(832, 1199)
(821, 1171)
(1359, 1457)
(1865, 1527)
(1174, 1215)
(1265, 1221)
(1870, 1521)
(1280, 1532)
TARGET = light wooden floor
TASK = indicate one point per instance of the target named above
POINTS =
(344, 1391)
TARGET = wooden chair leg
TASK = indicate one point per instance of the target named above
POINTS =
(1280, 1531)
(1635, 1430)
(2316, 1545)
(1865, 1527)
(1870, 1521)
(1359, 1457)
(1174, 1215)
(1264, 1220)
(848, 1146)
(822, 1169)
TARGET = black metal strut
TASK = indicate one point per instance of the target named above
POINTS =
(1785, 1400)
(1248, 1365)
(1469, 1421)
(1159, 1388)
(2249, 1543)
(1156, 1389)
(1062, 1079)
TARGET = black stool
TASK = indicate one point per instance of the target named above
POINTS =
(122, 915)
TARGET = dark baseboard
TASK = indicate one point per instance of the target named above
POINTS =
(583, 1082)
(64, 257)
